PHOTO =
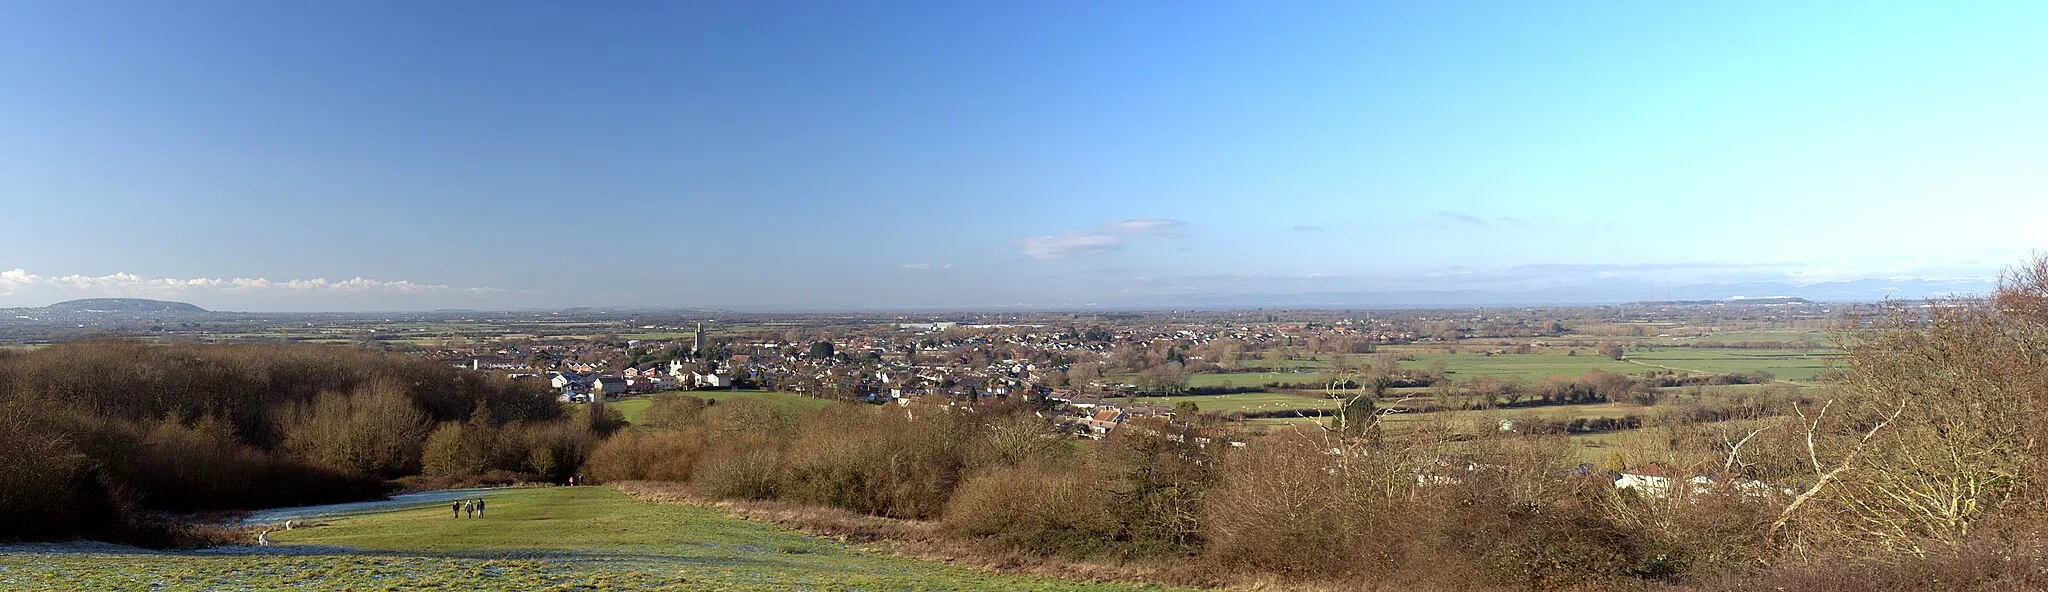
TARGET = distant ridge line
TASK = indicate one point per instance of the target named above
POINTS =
(130, 305)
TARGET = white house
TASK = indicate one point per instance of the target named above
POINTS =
(1650, 480)
(561, 380)
(1654, 482)
(608, 386)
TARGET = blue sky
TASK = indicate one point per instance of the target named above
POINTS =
(397, 156)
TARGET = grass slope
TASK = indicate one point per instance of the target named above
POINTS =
(635, 409)
(582, 538)
(1248, 402)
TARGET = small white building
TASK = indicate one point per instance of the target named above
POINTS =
(1650, 481)
(608, 386)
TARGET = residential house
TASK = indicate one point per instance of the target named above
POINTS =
(1104, 420)
(608, 386)
(567, 380)
(1650, 480)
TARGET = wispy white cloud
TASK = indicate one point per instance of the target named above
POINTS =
(923, 266)
(1099, 239)
(136, 286)
(1479, 220)
(1462, 217)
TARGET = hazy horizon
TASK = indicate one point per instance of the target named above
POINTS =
(1059, 155)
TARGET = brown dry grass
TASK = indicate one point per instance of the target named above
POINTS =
(927, 540)
(1986, 566)
(922, 539)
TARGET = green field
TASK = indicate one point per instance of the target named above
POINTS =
(582, 538)
(1231, 380)
(1468, 365)
(1819, 338)
(1473, 363)
(1786, 364)
(1244, 402)
(658, 336)
(1549, 412)
(635, 409)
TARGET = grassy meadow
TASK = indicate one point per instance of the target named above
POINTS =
(581, 538)
(1466, 363)
(635, 409)
(1231, 379)
(1245, 402)
(1785, 364)
(1469, 363)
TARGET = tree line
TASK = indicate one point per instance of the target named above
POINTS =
(100, 435)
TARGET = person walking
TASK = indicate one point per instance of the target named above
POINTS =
(479, 507)
(469, 508)
(458, 508)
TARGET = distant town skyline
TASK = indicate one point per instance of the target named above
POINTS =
(1054, 155)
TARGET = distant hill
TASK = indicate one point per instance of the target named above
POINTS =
(1765, 301)
(136, 305)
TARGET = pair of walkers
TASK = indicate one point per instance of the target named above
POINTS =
(473, 507)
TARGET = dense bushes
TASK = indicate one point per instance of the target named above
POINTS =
(1002, 471)
(1304, 504)
(1507, 511)
(895, 462)
(1043, 506)
(376, 430)
(673, 410)
(1420, 507)
(98, 435)
(898, 469)
(244, 385)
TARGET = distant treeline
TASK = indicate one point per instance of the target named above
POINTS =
(1194, 391)
(95, 436)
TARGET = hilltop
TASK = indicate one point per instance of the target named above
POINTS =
(132, 305)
